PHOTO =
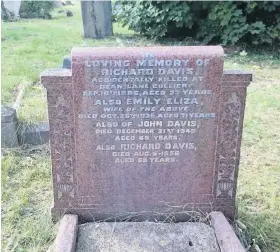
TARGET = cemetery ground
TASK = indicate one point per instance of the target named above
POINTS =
(31, 46)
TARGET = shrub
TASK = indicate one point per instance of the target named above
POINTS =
(36, 9)
(211, 22)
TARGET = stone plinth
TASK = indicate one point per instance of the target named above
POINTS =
(9, 128)
(34, 134)
(146, 236)
(145, 132)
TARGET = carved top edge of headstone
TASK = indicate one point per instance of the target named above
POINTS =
(81, 53)
(8, 115)
(78, 54)
(56, 76)
(237, 77)
(56, 72)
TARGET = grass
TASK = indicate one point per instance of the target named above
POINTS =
(26, 199)
(31, 46)
(35, 101)
(259, 177)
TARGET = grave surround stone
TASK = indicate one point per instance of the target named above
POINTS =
(145, 132)
(9, 128)
(34, 134)
(147, 236)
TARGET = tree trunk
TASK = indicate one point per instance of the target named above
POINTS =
(97, 19)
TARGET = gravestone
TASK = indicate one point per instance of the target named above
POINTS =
(9, 128)
(145, 133)
(97, 18)
(13, 7)
(58, 4)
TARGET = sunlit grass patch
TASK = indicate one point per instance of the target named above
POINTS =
(259, 176)
(26, 201)
(32, 45)
(33, 105)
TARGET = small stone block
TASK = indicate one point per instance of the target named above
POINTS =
(225, 234)
(67, 62)
(146, 236)
(9, 127)
(67, 234)
(8, 115)
(35, 134)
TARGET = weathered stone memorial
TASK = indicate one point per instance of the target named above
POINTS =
(145, 132)
(9, 128)
(97, 18)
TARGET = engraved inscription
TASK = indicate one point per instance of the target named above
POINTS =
(151, 108)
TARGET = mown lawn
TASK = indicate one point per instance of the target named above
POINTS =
(31, 46)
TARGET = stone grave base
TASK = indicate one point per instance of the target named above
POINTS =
(146, 236)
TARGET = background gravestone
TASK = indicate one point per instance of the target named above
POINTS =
(145, 132)
(97, 19)
(13, 7)
(9, 127)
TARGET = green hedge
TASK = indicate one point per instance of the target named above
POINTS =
(36, 9)
(211, 22)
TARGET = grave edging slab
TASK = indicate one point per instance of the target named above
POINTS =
(66, 238)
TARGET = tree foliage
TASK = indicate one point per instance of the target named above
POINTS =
(211, 22)
(36, 9)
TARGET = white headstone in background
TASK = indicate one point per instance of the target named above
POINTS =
(58, 4)
(13, 6)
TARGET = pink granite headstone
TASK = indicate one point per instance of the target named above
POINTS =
(145, 132)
